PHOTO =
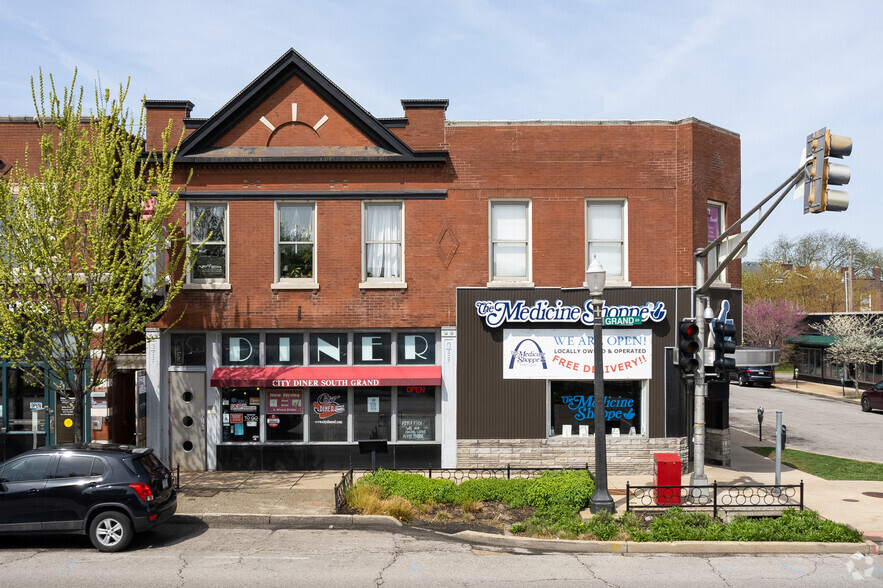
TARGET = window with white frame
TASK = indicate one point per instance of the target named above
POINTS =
(510, 241)
(716, 221)
(383, 238)
(605, 236)
(208, 225)
(295, 242)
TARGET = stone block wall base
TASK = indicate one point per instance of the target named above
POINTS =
(626, 455)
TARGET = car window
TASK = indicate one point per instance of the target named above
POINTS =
(26, 469)
(77, 466)
(151, 464)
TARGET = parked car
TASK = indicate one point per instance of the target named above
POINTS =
(108, 492)
(750, 375)
(873, 398)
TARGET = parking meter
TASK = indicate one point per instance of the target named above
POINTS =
(784, 435)
(760, 423)
(796, 378)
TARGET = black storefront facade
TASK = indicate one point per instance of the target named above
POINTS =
(525, 380)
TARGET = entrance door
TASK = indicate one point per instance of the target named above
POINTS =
(187, 420)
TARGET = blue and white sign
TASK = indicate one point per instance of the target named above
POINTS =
(569, 354)
(497, 312)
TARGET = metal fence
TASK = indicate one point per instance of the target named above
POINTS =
(715, 496)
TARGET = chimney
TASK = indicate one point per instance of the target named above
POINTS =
(158, 115)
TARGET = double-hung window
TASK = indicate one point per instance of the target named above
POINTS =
(383, 231)
(510, 241)
(208, 225)
(295, 245)
(716, 222)
(606, 237)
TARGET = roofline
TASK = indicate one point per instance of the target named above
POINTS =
(578, 122)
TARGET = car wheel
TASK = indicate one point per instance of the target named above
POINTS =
(866, 404)
(111, 531)
(743, 381)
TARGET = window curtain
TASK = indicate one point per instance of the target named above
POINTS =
(384, 242)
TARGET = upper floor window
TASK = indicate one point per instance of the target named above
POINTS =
(295, 243)
(510, 241)
(605, 237)
(383, 239)
(716, 220)
(208, 222)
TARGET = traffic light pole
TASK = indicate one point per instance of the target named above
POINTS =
(698, 477)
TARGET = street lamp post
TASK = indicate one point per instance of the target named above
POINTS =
(601, 499)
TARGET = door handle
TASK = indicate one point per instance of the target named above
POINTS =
(33, 490)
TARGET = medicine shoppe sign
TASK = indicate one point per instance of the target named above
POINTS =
(569, 354)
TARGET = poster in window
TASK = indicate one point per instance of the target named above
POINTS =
(285, 401)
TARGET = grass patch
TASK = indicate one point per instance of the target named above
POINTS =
(826, 466)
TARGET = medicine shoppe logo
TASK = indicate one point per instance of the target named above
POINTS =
(327, 406)
(527, 353)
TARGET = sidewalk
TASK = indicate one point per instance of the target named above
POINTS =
(306, 499)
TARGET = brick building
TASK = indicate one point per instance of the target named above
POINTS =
(338, 296)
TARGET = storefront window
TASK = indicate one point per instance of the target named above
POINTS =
(328, 414)
(285, 415)
(416, 413)
(241, 349)
(328, 349)
(188, 349)
(21, 391)
(285, 349)
(573, 407)
(241, 414)
(416, 348)
(372, 348)
(371, 414)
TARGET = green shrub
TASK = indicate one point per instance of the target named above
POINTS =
(677, 524)
(571, 487)
(793, 525)
(415, 488)
(603, 525)
(513, 493)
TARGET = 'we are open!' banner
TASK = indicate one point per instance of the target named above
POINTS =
(569, 354)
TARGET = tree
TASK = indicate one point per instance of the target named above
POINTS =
(812, 288)
(77, 244)
(825, 250)
(767, 323)
(857, 340)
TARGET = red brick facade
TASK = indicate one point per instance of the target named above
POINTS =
(666, 171)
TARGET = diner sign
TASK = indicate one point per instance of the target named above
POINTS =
(497, 312)
(569, 354)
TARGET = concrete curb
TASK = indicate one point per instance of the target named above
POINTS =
(819, 395)
(330, 521)
(675, 547)
(290, 521)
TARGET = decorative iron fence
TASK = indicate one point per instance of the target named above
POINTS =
(715, 496)
(456, 474)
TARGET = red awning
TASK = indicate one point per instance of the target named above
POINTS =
(326, 377)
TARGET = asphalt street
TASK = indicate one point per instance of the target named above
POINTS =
(196, 555)
(818, 425)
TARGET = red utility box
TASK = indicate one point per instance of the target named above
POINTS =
(667, 472)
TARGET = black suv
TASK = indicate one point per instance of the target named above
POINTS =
(106, 491)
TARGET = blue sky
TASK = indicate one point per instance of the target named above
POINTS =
(771, 71)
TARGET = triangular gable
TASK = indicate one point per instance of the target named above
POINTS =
(293, 113)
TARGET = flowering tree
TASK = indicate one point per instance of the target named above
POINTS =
(80, 232)
(767, 323)
(857, 340)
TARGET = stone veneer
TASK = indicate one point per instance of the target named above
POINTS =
(625, 455)
(717, 446)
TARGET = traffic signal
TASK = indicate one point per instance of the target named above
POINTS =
(820, 172)
(688, 347)
(723, 346)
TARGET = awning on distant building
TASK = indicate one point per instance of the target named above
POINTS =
(326, 377)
